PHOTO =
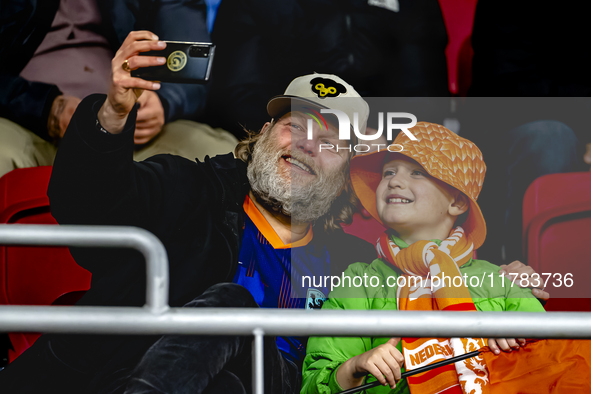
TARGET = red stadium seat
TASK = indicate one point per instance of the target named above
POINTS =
(557, 234)
(34, 275)
(459, 20)
(366, 228)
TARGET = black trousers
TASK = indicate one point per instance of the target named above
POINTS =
(171, 364)
(179, 364)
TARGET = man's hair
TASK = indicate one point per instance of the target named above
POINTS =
(245, 147)
(341, 210)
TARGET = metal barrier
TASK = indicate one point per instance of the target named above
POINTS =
(157, 318)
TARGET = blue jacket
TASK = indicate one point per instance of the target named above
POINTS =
(24, 24)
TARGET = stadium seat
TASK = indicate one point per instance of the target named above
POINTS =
(34, 275)
(365, 227)
(459, 20)
(557, 233)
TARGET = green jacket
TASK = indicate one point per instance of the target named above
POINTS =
(326, 354)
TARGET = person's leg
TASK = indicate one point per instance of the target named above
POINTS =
(21, 148)
(188, 139)
(534, 149)
(190, 364)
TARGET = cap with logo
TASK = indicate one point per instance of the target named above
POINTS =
(444, 155)
(321, 91)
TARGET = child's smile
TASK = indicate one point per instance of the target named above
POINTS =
(397, 199)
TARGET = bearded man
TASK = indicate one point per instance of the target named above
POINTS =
(262, 220)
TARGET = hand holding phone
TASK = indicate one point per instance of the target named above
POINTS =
(124, 90)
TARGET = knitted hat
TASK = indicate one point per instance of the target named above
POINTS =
(444, 155)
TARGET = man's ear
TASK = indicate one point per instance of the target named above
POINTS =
(460, 205)
(266, 126)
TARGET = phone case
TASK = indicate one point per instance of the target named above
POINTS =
(186, 62)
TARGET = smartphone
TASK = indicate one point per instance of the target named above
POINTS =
(186, 62)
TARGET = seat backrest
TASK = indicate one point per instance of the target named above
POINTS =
(366, 228)
(34, 275)
(557, 233)
(459, 20)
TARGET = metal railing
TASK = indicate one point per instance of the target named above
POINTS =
(156, 317)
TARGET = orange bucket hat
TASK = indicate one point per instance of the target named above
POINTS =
(444, 155)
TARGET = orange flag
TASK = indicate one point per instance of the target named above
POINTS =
(547, 366)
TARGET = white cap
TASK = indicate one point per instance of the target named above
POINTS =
(321, 91)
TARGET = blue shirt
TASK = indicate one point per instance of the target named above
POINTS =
(281, 276)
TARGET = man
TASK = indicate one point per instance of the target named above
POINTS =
(59, 51)
(258, 220)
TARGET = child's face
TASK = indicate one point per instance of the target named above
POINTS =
(412, 202)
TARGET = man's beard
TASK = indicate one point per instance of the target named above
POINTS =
(286, 191)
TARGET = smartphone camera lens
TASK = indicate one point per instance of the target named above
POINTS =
(198, 51)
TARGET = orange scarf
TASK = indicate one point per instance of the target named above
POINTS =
(433, 281)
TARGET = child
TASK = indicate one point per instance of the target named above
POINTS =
(426, 196)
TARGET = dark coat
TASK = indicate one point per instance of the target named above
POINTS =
(194, 208)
